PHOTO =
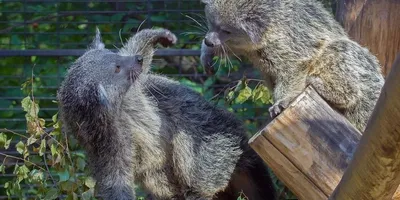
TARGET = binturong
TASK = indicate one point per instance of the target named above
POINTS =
(144, 129)
(296, 43)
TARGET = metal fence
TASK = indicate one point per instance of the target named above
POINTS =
(39, 39)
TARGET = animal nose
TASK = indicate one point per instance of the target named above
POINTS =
(208, 42)
(139, 59)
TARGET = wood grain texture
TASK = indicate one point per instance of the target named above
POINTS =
(292, 177)
(374, 24)
(374, 172)
(317, 140)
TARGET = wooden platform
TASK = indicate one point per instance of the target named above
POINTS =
(308, 146)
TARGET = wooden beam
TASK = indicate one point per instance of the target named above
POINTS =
(374, 172)
(374, 24)
(308, 146)
(304, 188)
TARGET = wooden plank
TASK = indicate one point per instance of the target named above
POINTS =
(374, 172)
(374, 24)
(317, 140)
(292, 177)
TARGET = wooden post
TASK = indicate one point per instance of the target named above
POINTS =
(374, 172)
(308, 146)
(374, 24)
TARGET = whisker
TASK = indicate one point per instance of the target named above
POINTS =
(233, 53)
(140, 25)
(198, 23)
(191, 33)
(120, 36)
(203, 18)
(226, 59)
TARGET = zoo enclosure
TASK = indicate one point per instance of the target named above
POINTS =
(39, 39)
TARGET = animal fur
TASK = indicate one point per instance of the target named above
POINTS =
(296, 43)
(152, 131)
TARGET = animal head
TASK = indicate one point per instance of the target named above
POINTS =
(99, 76)
(237, 22)
(98, 80)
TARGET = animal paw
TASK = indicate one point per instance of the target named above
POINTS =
(278, 107)
(166, 38)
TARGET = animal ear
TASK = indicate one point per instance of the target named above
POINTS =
(97, 43)
(206, 1)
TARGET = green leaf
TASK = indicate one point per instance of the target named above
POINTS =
(68, 186)
(22, 173)
(88, 194)
(51, 194)
(261, 93)
(37, 175)
(31, 140)
(20, 147)
(90, 182)
(42, 148)
(7, 145)
(3, 140)
(63, 175)
(54, 118)
(244, 94)
(80, 163)
(72, 196)
(26, 103)
(53, 150)
(3, 169)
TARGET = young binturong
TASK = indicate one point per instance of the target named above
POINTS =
(139, 128)
(296, 43)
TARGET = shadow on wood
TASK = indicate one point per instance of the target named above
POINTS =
(308, 146)
(374, 172)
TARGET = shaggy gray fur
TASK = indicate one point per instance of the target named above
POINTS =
(150, 130)
(296, 43)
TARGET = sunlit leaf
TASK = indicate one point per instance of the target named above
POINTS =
(3, 140)
(244, 94)
(42, 148)
(2, 169)
(37, 175)
(20, 147)
(90, 182)
(31, 140)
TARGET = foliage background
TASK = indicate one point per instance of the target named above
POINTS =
(37, 160)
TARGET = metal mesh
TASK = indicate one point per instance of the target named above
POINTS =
(40, 39)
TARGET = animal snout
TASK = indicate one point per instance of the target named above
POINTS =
(212, 39)
(208, 42)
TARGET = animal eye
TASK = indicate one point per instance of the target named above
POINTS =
(117, 69)
(226, 32)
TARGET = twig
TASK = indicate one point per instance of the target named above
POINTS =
(15, 133)
(24, 161)
(47, 167)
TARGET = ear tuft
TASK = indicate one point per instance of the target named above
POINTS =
(205, 1)
(97, 43)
